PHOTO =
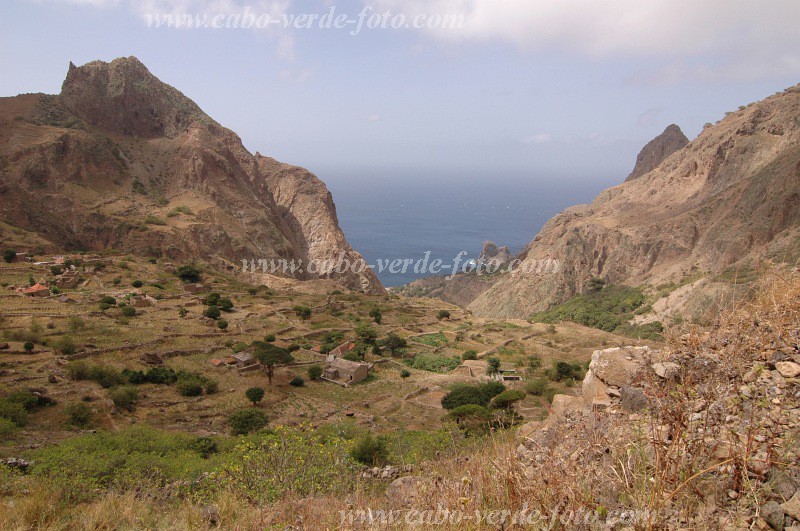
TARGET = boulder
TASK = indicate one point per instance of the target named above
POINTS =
(667, 370)
(618, 366)
(632, 399)
(788, 369)
(792, 507)
(404, 490)
(563, 404)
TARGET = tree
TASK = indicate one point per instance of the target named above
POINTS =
(443, 314)
(469, 355)
(9, 255)
(494, 365)
(269, 355)
(303, 312)
(366, 333)
(212, 299)
(107, 299)
(315, 372)
(370, 450)
(222, 324)
(248, 420)
(188, 273)
(376, 315)
(212, 312)
(254, 395)
(463, 395)
(297, 381)
(128, 311)
(405, 373)
(28, 346)
(137, 283)
(225, 304)
(506, 399)
(394, 343)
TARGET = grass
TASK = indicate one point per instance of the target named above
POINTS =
(436, 339)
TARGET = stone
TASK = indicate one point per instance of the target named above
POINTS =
(593, 389)
(563, 404)
(782, 484)
(618, 366)
(667, 370)
(404, 490)
(632, 399)
(792, 507)
(772, 513)
(788, 369)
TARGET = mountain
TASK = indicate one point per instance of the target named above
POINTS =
(720, 203)
(122, 160)
(655, 151)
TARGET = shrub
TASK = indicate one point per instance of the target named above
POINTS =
(245, 421)
(66, 345)
(225, 304)
(433, 363)
(154, 220)
(536, 387)
(405, 373)
(463, 395)
(297, 381)
(212, 312)
(491, 389)
(494, 365)
(222, 324)
(124, 397)
(315, 372)
(212, 299)
(6, 428)
(13, 412)
(469, 355)
(603, 307)
(269, 338)
(369, 450)
(128, 311)
(9, 255)
(507, 398)
(376, 315)
(211, 386)
(28, 346)
(76, 324)
(254, 395)
(190, 386)
(472, 418)
(188, 273)
(534, 362)
(79, 414)
(394, 343)
(108, 299)
(303, 312)
(137, 283)
(205, 446)
(103, 306)
(443, 314)
(563, 370)
(26, 399)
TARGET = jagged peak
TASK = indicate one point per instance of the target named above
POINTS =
(658, 149)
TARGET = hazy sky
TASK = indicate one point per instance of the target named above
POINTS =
(528, 88)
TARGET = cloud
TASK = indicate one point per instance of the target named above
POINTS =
(648, 117)
(93, 3)
(706, 40)
(374, 118)
(541, 138)
(295, 76)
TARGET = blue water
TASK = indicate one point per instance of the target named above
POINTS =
(404, 218)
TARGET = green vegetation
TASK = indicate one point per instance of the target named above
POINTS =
(437, 339)
(124, 397)
(269, 355)
(254, 395)
(247, 420)
(376, 315)
(366, 333)
(137, 283)
(154, 220)
(443, 314)
(212, 312)
(303, 312)
(297, 381)
(314, 372)
(188, 273)
(609, 308)
(433, 363)
(79, 414)
(469, 355)
(394, 343)
(507, 398)
(462, 394)
(370, 450)
(9, 255)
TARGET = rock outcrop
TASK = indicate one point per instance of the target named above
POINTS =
(658, 149)
(494, 257)
(725, 200)
(122, 160)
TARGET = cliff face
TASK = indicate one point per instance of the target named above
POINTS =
(725, 198)
(121, 160)
(658, 149)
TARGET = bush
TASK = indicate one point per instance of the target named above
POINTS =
(188, 273)
(315, 372)
(103, 306)
(507, 398)
(443, 314)
(190, 386)
(225, 304)
(269, 338)
(405, 373)
(137, 283)
(463, 395)
(536, 387)
(79, 414)
(563, 370)
(394, 343)
(604, 307)
(9, 255)
(433, 363)
(222, 324)
(254, 395)
(369, 450)
(303, 312)
(128, 311)
(28, 346)
(376, 315)
(469, 355)
(212, 299)
(124, 397)
(534, 362)
(205, 446)
(66, 345)
(297, 381)
(212, 312)
(6, 428)
(13, 412)
(245, 421)
(494, 365)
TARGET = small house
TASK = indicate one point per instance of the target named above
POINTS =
(194, 288)
(508, 372)
(68, 280)
(345, 371)
(37, 290)
(340, 351)
(141, 301)
(245, 360)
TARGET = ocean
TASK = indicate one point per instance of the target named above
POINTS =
(388, 219)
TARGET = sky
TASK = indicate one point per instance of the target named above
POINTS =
(491, 89)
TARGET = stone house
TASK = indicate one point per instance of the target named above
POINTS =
(345, 371)
(194, 288)
(68, 280)
(37, 290)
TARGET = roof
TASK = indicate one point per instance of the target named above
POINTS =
(342, 349)
(242, 356)
(346, 366)
(508, 367)
(36, 287)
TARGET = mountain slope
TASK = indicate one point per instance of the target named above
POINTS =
(727, 197)
(658, 149)
(122, 160)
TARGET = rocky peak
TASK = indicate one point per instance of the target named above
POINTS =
(492, 254)
(658, 149)
(124, 97)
